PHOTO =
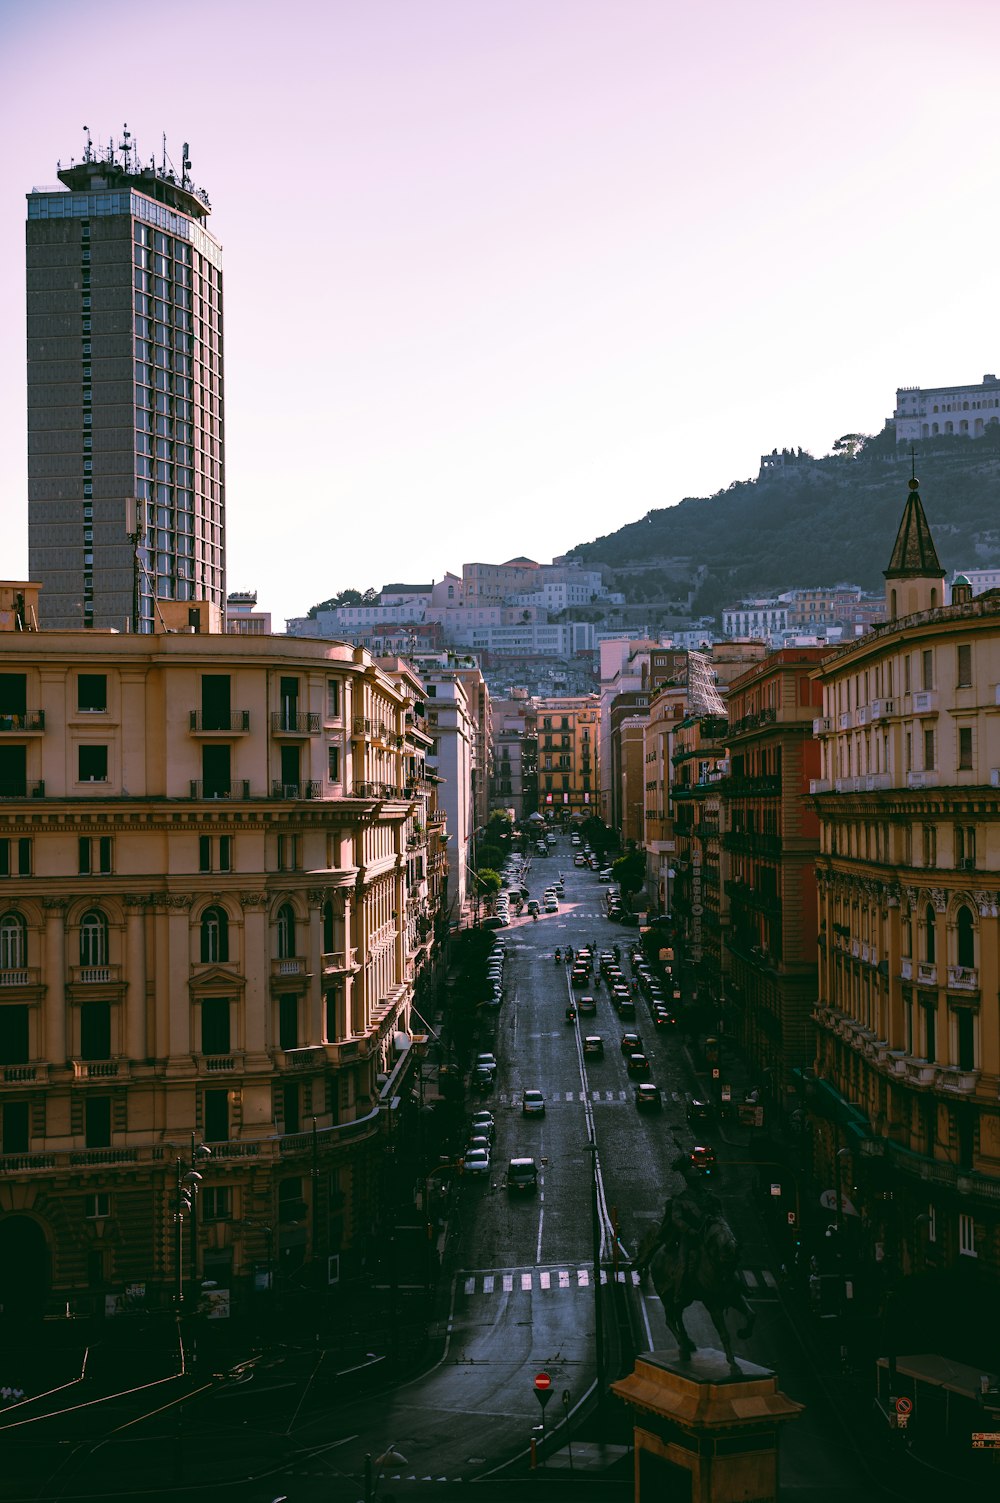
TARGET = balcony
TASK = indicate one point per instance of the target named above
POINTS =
(861, 715)
(874, 781)
(100, 1070)
(22, 788)
(925, 702)
(822, 725)
(218, 1064)
(883, 708)
(24, 1075)
(956, 1081)
(845, 721)
(207, 723)
(307, 1057)
(927, 779)
(379, 790)
(920, 1072)
(820, 785)
(361, 726)
(332, 961)
(295, 723)
(292, 965)
(28, 722)
(295, 790)
(963, 978)
(95, 975)
(21, 975)
(236, 788)
(926, 973)
(906, 969)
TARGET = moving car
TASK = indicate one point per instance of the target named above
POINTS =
(551, 905)
(522, 1177)
(631, 1043)
(647, 1097)
(637, 1064)
(532, 1104)
(482, 1079)
(700, 1111)
(579, 859)
(702, 1159)
(579, 975)
(586, 1007)
(533, 906)
(593, 1044)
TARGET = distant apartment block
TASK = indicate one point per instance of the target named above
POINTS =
(927, 412)
(242, 617)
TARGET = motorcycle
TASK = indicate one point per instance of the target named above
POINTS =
(571, 1014)
(569, 954)
(534, 915)
(617, 952)
(558, 956)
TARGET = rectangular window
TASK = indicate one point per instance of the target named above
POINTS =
(928, 750)
(215, 1037)
(225, 853)
(965, 748)
(204, 853)
(97, 1121)
(92, 693)
(966, 1028)
(98, 1205)
(216, 1203)
(288, 853)
(965, 665)
(16, 1127)
(967, 1236)
(332, 698)
(909, 751)
(927, 667)
(14, 1032)
(95, 1030)
(93, 764)
(15, 857)
(288, 1022)
(930, 1031)
(96, 855)
(216, 1105)
(931, 1224)
(906, 674)
(333, 764)
(930, 845)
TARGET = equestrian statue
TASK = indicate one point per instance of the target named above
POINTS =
(691, 1256)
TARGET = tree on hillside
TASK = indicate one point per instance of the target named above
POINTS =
(344, 597)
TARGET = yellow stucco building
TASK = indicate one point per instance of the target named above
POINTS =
(215, 892)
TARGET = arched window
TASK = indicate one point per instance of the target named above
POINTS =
(929, 935)
(965, 929)
(13, 942)
(214, 936)
(328, 926)
(93, 938)
(286, 932)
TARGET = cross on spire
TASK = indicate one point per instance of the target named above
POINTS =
(913, 461)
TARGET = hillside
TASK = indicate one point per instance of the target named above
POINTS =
(813, 522)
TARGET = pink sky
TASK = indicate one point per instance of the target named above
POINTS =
(501, 277)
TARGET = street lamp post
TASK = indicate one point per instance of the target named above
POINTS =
(595, 1225)
(389, 1457)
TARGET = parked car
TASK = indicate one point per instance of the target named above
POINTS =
(478, 1140)
(489, 1060)
(522, 1177)
(700, 1111)
(532, 1104)
(476, 1162)
(664, 1018)
(482, 1122)
(593, 1044)
(647, 1097)
(482, 1079)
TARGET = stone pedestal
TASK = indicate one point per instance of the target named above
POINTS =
(702, 1432)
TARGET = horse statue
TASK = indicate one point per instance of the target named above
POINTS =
(693, 1255)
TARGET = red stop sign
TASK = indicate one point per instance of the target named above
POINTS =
(542, 1382)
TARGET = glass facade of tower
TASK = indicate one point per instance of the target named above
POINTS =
(125, 400)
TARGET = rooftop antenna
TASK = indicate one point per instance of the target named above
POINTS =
(125, 145)
(88, 155)
(185, 167)
(163, 168)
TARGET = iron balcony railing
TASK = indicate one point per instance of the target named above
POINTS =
(235, 720)
(26, 720)
(235, 788)
(295, 790)
(295, 722)
(21, 788)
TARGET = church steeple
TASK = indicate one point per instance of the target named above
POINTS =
(914, 578)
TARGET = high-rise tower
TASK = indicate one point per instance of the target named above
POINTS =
(126, 499)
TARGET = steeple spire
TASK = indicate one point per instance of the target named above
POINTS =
(914, 578)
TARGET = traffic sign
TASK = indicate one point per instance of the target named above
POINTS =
(543, 1388)
(904, 1405)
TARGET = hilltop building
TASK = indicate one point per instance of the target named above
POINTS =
(966, 410)
(126, 483)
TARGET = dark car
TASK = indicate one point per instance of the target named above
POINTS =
(482, 1122)
(700, 1111)
(482, 1079)
(637, 1064)
(593, 1044)
(579, 976)
(522, 1177)
(647, 1097)
(702, 1159)
(664, 1019)
(631, 1043)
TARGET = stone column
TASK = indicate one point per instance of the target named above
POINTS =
(317, 897)
(53, 1043)
(256, 1031)
(135, 978)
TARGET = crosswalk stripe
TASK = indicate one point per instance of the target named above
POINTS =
(563, 1280)
(470, 1286)
(508, 1283)
(526, 1281)
(487, 1284)
(749, 1278)
(769, 1279)
(582, 1278)
(604, 1275)
(545, 1279)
